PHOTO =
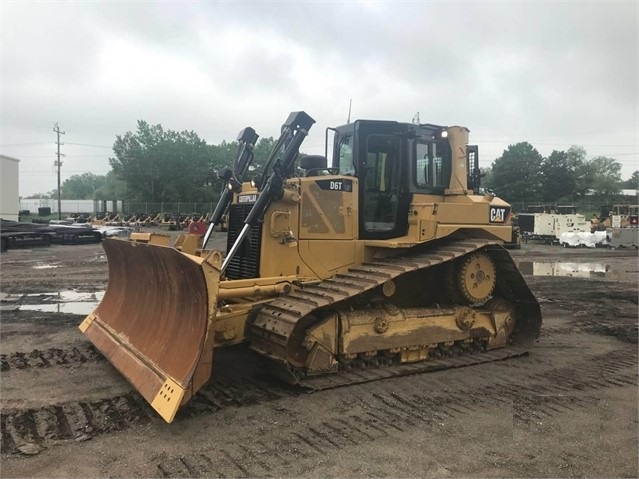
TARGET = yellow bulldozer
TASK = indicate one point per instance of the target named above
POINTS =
(626, 215)
(387, 262)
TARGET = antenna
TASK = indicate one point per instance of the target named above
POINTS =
(350, 103)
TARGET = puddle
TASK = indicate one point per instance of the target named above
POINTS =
(578, 270)
(69, 301)
(70, 308)
(46, 266)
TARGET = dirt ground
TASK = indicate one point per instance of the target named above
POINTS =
(568, 409)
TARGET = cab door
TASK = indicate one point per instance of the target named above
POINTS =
(381, 168)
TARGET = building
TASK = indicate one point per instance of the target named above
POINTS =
(9, 194)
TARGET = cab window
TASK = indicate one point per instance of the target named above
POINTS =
(345, 152)
(381, 182)
(430, 166)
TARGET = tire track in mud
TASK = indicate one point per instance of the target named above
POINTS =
(389, 406)
(532, 400)
(49, 357)
(29, 431)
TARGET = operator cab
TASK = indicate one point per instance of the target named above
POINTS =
(392, 161)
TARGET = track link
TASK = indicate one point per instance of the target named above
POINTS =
(276, 322)
(358, 376)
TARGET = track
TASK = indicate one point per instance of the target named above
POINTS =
(276, 326)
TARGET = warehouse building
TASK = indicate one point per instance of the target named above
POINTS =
(9, 194)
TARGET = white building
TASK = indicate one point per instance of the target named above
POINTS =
(9, 195)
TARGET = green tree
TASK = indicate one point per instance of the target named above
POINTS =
(81, 187)
(261, 151)
(559, 175)
(112, 189)
(487, 177)
(603, 175)
(577, 155)
(163, 166)
(516, 174)
(43, 196)
(632, 182)
(223, 156)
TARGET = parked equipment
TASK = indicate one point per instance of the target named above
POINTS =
(15, 234)
(616, 216)
(385, 258)
(549, 227)
(623, 237)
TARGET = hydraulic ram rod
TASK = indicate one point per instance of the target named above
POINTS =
(294, 131)
(243, 159)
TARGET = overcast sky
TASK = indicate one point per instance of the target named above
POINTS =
(555, 74)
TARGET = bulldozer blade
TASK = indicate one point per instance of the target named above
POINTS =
(155, 322)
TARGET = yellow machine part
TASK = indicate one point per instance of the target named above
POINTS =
(155, 322)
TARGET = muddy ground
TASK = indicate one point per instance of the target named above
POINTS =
(568, 409)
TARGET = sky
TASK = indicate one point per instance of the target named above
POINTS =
(554, 74)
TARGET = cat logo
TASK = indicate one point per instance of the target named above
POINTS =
(244, 199)
(498, 214)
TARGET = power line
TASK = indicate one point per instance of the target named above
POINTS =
(620, 154)
(532, 142)
(26, 144)
(93, 146)
(66, 156)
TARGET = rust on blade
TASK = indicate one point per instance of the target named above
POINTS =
(155, 321)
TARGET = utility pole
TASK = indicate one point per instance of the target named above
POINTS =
(58, 163)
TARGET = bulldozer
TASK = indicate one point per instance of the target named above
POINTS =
(626, 216)
(383, 262)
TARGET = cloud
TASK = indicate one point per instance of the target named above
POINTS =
(554, 74)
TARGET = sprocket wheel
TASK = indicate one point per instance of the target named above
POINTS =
(476, 278)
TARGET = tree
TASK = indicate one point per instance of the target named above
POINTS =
(262, 150)
(43, 196)
(81, 187)
(516, 174)
(112, 189)
(603, 175)
(577, 155)
(223, 156)
(486, 177)
(166, 166)
(559, 174)
(163, 166)
(632, 183)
